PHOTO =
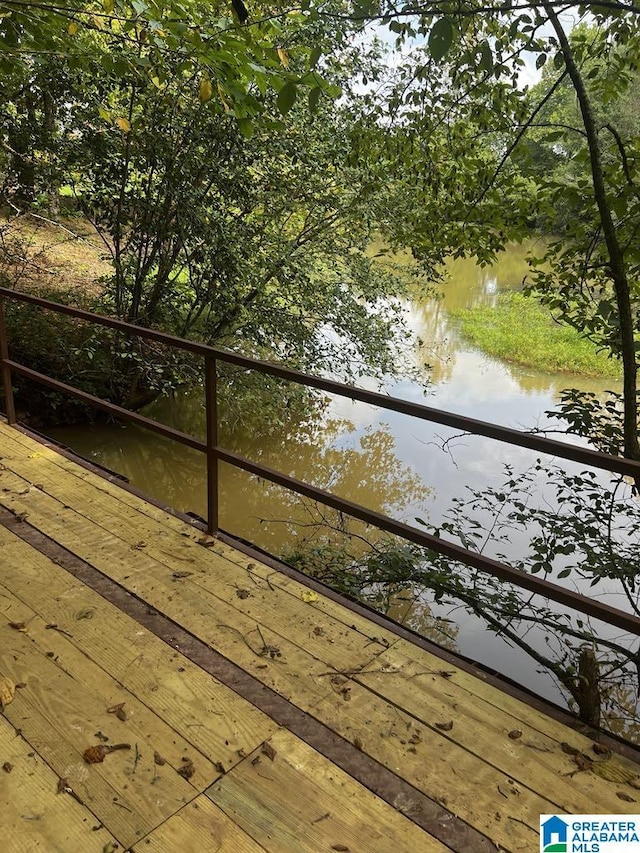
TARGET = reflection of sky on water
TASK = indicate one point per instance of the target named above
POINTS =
(419, 477)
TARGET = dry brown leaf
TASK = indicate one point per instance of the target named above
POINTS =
(176, 576)
(220, 768)
(18, 626)
(445, 727)
(358, 743)
(341, 847)
(158, 759)
(63, 786)
(583, 761)
(570, 750)
(7, 767)
(7, 692)
(268, 750)
(600, 749)
(188, 769)
(514, 734)
(622, 796)
(119, 711)
(97, 754)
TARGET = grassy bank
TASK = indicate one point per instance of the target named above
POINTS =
(520, 330)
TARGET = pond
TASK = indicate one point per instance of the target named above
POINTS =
(386, 461)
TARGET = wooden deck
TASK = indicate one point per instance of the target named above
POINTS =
(260, 715)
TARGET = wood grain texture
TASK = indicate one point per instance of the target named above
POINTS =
(533, 759)
(33, 816)
(465, 784)
(60, 716)
(284, 611)
(382, 694)
(290, 657)
(199, 827)
(291, 799)
(205, 713)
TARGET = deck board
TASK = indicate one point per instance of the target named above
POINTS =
(292, 800)
(382, 694)
(33, 815)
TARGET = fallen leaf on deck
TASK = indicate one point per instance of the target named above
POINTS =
(180, 575)
(514, 734)
(622, 796)
(7, 692)
(63, 786)
(207, 543)
(101, 737)
(119, 711)
(570, 750)
(243, 593)
(357, 743)
(187, 770)
(7, 767)
(599, 749)
(445, 727)
(220, 767)
(97, 754)
(158, 759)
(18, 626)
(308, 595)
(85, 613)
(268, 750)
(341, 847)
(583, 761)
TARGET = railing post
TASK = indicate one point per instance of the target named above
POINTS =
(211, 403)
(6, 370)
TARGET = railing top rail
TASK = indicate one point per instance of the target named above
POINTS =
(527, 440)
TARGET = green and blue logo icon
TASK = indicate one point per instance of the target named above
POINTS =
(553, 834)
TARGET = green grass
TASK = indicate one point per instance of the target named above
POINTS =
(520, 330)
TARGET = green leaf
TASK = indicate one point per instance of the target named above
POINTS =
(286, 97)
(564, 573)
(245, 126)
(440, 38)
(540, 61)
(314, 98)
(486, 57)
(314, 58)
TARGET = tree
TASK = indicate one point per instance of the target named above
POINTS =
(240, 228)
(462, 116)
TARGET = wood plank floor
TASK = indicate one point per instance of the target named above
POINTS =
(258, 714)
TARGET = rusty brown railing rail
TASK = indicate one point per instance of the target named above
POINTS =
(214, 453)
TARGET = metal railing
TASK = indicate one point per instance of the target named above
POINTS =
(215, 454)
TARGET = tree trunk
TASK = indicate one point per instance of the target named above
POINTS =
(617, 264)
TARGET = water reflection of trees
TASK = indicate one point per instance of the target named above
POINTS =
(364, 469)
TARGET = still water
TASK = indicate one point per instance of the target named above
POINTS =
(384, 460)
